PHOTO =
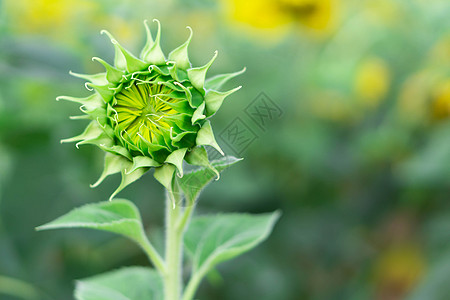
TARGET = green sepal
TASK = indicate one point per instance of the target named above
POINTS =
(205, 136)
(151, 146)
(164, 139)
(198, 113)
(141, 74)
(180, 55)
(94, 134)
(197, 97)
(182, 105)
(214, 100)
(154, 147)
(173, 70)
(143, 162)
(187, 92)
(115, 89)
(182, 121)
(111, 113)
(118, 150)
(197, 75)
(183, 125)
(176, 73)
(81, 117)
(91, 101)
(104, 91)
(170, 85)
(177, 134)
(164, 175)
(119, 59)
(97, 79)
(216, 82)
(128, 178)
(152, 52)
(160, 155)
(130, 145)
(113, 74)
(124, 60)
(186, 140)
(133, 63)
(149, 41)
(113, 164)
(100, 116)
(176, 158)
(199, 157)
(95, 112)
(182, 75)
(179, 95)
(92, 131)
(161, 70)
(107, 129)
(103, 140)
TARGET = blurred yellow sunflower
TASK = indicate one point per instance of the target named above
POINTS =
(412, 102)
(272, 16)
(372, 81)
(314, 14)
(48, 17)
(398, 270)
(441, 99)
(334, 106)
(426, 93)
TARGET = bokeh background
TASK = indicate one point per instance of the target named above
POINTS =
(358, 161)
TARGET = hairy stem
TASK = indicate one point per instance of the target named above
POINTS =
(174, 248)
(191, 288)
(185, 217)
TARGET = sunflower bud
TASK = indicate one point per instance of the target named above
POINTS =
(150, 112)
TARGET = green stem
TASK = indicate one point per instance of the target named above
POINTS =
(174, 247)
(191, 288)
(176, 223)
(185, 218)
(197, 277)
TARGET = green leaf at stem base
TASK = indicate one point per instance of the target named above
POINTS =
(131, 283)
(214, 239)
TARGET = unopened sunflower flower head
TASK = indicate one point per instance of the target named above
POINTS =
(151, 112)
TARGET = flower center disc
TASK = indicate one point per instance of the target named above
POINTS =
(145, 113)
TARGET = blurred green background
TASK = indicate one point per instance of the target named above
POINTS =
(358, 161)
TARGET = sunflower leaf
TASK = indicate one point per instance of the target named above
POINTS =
(118, 216)
(214, 239)
(192, 183)
(131, 283)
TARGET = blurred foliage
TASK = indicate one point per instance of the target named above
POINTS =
(358, 162)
